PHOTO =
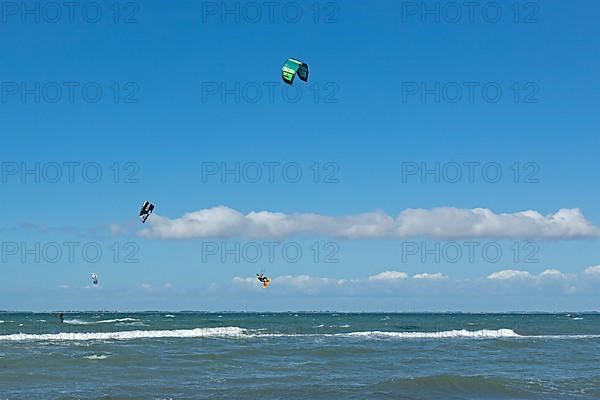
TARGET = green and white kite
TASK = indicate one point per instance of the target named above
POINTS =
(292, 67)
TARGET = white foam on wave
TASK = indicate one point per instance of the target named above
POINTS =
(77, 322)
(97, 357)
(565, 337)
(169, 316)
(136, 323)
(455, 334)
(462, 333)
(228, 331)
(236, 332)
(104, 321)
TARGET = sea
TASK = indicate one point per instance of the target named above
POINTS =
(299, 355)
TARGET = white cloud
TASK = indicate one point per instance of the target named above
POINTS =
(242, 280)
(297, 281)
(442, 223)
(595, 271)
(313, 281)
(437, 276)
(303, 280)
(388, 276)
(552, 273)
(551, 283)
(510, 274)
(504, 275)
(117, 229)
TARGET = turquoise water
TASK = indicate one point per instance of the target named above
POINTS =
(165, 355)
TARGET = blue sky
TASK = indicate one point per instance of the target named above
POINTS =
(364, 126)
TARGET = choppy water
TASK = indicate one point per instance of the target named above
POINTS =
(299, 356)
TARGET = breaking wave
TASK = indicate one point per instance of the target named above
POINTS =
(104, 321)
(463, 333)
(97, 357)
(237, 332)
(128, 335)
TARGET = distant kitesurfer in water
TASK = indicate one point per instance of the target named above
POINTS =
(61, 316)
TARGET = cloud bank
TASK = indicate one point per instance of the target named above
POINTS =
(390, 290)
(438, 223)
(497, 282)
